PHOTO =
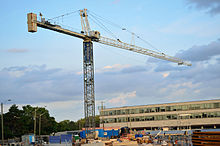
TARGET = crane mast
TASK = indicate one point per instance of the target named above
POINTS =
(88, 72)
(88, 37)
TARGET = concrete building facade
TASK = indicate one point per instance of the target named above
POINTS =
(182, 115)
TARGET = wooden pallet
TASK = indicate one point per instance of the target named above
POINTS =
(206, 138)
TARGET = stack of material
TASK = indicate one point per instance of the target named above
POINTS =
(94, 144)
(127, 143)
(206, 138)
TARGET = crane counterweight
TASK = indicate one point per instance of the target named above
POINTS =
(32, 19)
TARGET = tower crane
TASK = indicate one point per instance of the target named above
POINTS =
(89, 36)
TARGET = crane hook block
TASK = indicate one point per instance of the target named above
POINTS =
(32, 22)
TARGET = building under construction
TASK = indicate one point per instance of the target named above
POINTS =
(169, 116)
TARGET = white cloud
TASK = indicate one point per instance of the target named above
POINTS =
(197, 91)
(211, 6)
(177, 94)
(122, 99)
(113, 68)
(17, 50)
(79, 73)
(165, 74)
(205, 52)
(16, 73)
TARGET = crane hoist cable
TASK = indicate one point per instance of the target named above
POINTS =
(124, 29)
(60, 16)
(56, 19)
(64, 25)
(147, 42)
(113, 35)
(103, 26)
(107, 21)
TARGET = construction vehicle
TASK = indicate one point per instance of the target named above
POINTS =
(89, 36)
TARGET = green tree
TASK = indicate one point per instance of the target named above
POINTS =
(18, 122)
(67, 125)
(13, 124)
(81, 123)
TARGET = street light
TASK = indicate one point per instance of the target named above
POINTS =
(2, 120)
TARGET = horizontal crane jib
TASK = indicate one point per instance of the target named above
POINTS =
(119, 44)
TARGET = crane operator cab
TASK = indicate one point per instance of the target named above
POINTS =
(94, 35)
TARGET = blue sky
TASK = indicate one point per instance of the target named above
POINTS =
(44, 68)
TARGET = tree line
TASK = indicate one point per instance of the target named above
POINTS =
(18, 122)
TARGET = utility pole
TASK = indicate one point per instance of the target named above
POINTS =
(35, 116)
(40, 124)
(2, 121)
(102, 113)
(2, 124)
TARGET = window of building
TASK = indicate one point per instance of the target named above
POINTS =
(204, 115)
(123, 112)
(173, 108)
(136, 111)
(132, 111)
(118, 112)
(196, 116)
(141, 110)
(157, 109)
(216, 105)
(217, 114)
(110, 112)
(153, 109)
(210, 115)
(142, 118)
(105, 113)
(127, 111)
(147, 110)
(162, 117)
(169, 117)
(168, 108)
(163, 109)
(174, 116)
(184, 107)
